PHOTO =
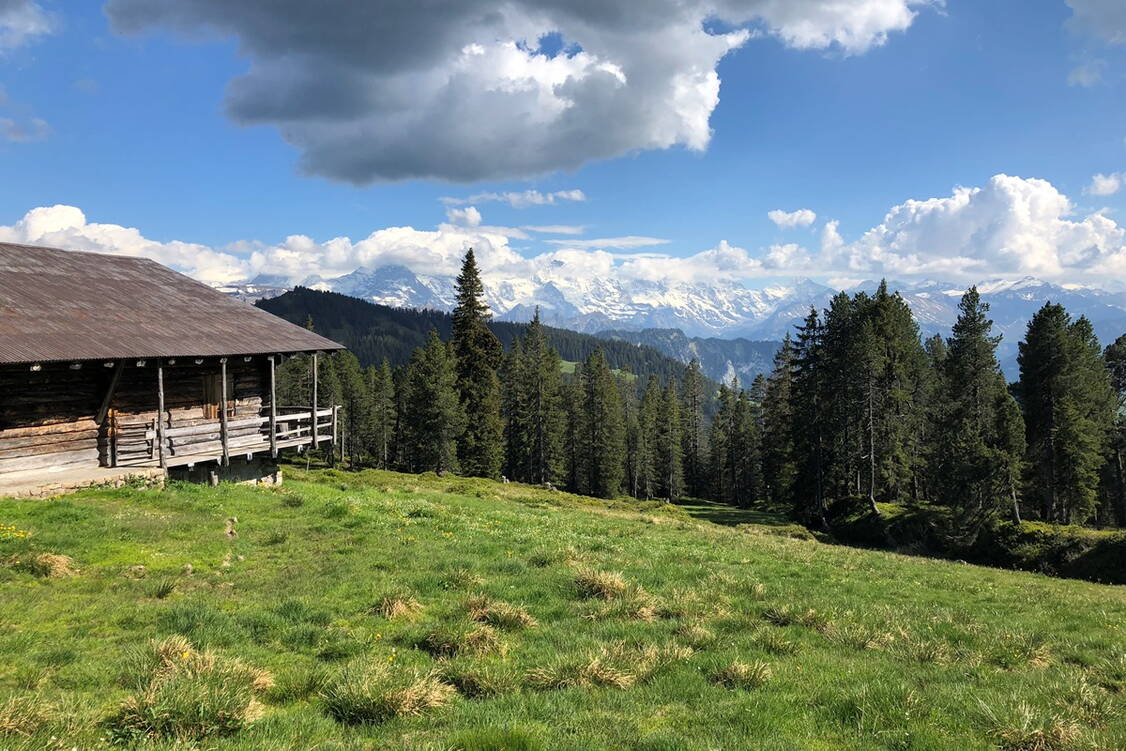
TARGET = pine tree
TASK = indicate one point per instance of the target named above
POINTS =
(381, 385)
(692, 415)
(355, 402)
(1115, 357)
(779, 457)
(603, 435)
(1068, 407)
(647, 439)
(433, 417)
(574, 414)
(809, 424)
(534, 408)
(477, 354)
(979, 426)
(669, 460)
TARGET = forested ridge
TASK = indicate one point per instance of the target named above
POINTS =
(857, 412)
(374, 333)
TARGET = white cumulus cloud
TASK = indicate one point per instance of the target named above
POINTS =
(791, 219)
(475, 90)
(1106, 185)
(1103, 18)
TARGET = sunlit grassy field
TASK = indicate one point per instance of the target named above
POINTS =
(375, 610)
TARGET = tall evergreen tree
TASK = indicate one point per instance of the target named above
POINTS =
(808, 430)
(1115, 357)
(979, 426)
(477, 354)
(778, 456)
(693, 429)
(433, 417)
(603, 436)
(646, 444)
(537, 410)
(668, 449)
(355, 402)
(381, 385)
(1068, 407)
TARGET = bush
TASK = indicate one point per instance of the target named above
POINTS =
(368, 692)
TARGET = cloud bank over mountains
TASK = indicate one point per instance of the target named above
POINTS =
(1010, 227)
(471, 90)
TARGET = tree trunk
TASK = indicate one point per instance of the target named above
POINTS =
(1120, 474)
(872, 454)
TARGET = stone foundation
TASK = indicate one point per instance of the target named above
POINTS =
(257, 470)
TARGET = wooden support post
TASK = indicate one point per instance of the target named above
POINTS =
(314, 400)
(336, 442)
(223, 412)
(160, 412)
(109, 392)
(273, 411)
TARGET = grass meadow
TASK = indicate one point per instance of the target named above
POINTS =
(374, 610)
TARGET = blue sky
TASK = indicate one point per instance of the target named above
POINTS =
(132, 122)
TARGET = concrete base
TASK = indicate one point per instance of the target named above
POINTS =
(257, 470)
(43, 484)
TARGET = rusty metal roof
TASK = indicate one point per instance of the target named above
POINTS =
(62, 305)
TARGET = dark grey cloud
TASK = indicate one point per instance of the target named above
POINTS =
(455, 90)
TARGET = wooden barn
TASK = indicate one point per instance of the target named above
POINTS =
(114, 367)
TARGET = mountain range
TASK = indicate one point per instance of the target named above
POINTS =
(732, 328)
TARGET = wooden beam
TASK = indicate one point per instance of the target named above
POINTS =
(314, 400)
(109, 392)
(223, 414)
(160, 411)
(273, 411)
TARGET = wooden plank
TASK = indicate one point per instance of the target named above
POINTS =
(273, 411)
(109, 392)
(223, 412)
(45, 440)
(160, 411)
(29, 431)
(86, 457)
(315, 404)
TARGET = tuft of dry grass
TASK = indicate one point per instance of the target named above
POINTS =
(463, 578)
(859, 637)
(399, 605)
(1111, 672)
(463, 639)
(481, 679)
(741, 675)
(776, 642)
(696, 634)
(1021, 730)
(186, 694)
(615, 665)
(602, 585)
(44, 565)
(926, 651)
(1014, 651)
(484, 609)
(22, 715)
(369, 692)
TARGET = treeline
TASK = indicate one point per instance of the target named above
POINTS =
(857, 409)
(374, 333)
(467, 406)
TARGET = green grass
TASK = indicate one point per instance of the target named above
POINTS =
(418, 612)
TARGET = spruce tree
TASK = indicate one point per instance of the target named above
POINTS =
(603, 431)
(978, 461)
(1068, 407)
(477, 354)
(809, 424)
(778, 456)
(433, 417)
(692, 417)
(536, 406)
(669, 459)
(355, 402)
(1115, 357)
(648, 417)
(382, 420)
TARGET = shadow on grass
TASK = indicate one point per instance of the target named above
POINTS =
(728, 515)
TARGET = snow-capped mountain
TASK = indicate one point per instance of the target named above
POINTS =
(726, 310)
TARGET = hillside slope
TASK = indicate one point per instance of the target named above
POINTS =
(464, 614)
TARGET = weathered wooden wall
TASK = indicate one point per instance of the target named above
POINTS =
(47, 416)
(134, 411)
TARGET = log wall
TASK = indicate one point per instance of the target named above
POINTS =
(130, 439)
(47, 416)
